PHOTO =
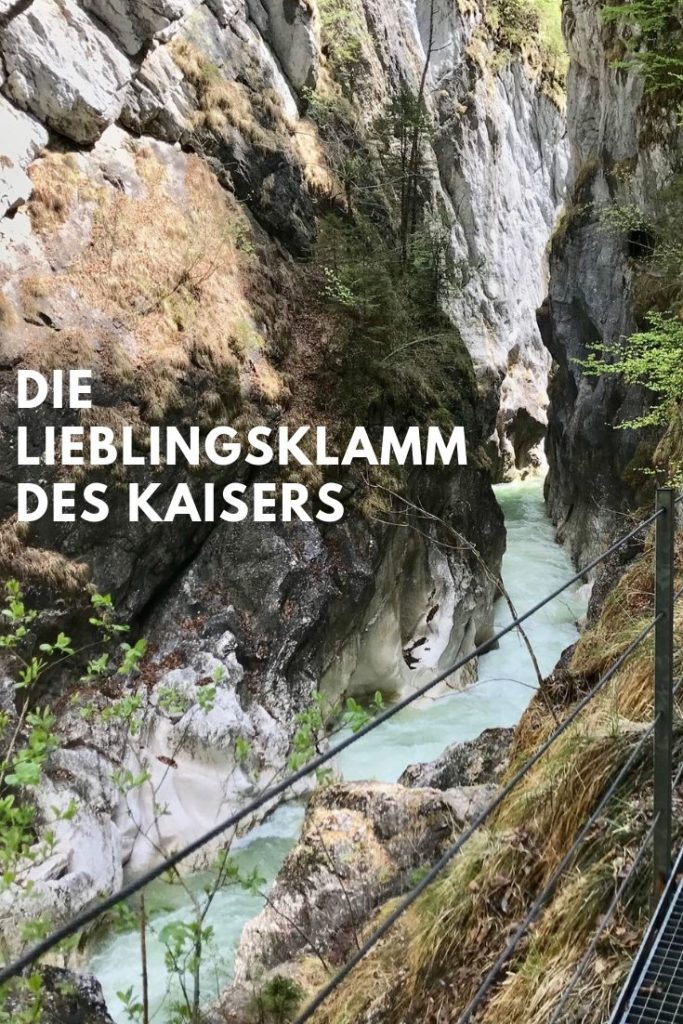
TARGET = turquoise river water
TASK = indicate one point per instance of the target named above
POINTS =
(533, 566)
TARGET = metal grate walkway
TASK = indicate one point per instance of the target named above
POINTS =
(654, 991)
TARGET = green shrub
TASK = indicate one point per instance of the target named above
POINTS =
(278, 1001)
(655, 48)
(396, 357)
(518, 23)
(652, 358)
(343, 31)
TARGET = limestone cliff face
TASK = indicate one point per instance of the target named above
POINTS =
(625, 148)
(161, 192)
(501, 151)
(156, 237)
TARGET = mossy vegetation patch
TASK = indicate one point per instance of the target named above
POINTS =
(345, 42)
(168, 280)
(531, 29)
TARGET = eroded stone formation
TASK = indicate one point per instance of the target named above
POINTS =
(161, 188)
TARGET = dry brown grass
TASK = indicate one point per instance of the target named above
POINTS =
(558, 794)
(449, 940)
(38, 567)
(56, 184)
(372, 978)
(313, 160)
(265, 382)
(626, 613)
(31, 290)
(8, 313)
(257, 114)
(175, 275)
(72, 349)
(556, 947)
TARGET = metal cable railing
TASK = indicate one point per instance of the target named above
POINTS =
(540, 901)
(545, 894)
(480, 819)
(89, 915)
(609, 915)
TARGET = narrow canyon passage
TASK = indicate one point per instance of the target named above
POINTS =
(534, 564)
(243, 219)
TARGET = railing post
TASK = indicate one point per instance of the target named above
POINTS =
(664, 657)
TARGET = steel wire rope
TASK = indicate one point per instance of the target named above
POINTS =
(483, 816)
(91, 914)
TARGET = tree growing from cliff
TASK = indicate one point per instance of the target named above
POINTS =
(653, 359)
(343, 32)
(655, 48)
(398, 134)
(416, 118)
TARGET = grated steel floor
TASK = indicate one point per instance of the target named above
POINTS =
(654, 991)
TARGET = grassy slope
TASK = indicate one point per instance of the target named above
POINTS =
(452, 937)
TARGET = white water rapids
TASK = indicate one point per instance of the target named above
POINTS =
(534, 565)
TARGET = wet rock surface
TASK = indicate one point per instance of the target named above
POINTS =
(361, 843)
(69, 998)
(476, 762)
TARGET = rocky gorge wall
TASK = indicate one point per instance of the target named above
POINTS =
(625, 150)
(162, 199)
(499, 153)
(501, 150)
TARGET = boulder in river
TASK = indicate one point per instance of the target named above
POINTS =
(481, 760)
(67, 998)
(361, 844)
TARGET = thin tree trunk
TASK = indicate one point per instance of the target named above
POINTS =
(143, 957)
(195, 979)
(405, 194)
